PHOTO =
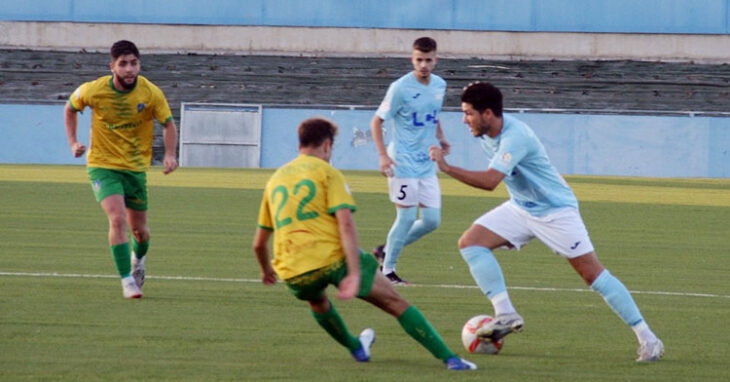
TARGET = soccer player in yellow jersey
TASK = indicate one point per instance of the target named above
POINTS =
(308, 208)
(124, 106)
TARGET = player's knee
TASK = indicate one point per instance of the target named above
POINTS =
(465, 241)
(117, 223)
(430, 223)
(142, 235)
(430, 218)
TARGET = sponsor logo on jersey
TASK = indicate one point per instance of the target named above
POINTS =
(140, 107)
(129, 125)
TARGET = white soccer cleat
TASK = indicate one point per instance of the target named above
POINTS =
(650, 351)
(367, 337)
(130, 288)
(138, 269)
(501, 326)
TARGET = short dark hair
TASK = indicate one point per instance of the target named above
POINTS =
(314, 131)
(122, 47)
(425, 44)
(483, 96)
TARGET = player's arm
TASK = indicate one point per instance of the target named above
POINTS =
(261, 249)
(442, 139)
(486, 180)
(170, 139)
(350, 285)
(71, 120)
(386, 162)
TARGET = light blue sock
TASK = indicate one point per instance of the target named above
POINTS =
(485, 269)
(617, 297)
(397, 236)
(429, 221)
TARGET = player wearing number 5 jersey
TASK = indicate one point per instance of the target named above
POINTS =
(413, 102)
(308, 208)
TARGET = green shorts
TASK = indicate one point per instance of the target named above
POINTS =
(131, 184)
(311, 285)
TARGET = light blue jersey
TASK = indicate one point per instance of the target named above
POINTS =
(532, 182)
(414, 108)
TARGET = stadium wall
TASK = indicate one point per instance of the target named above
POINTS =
(580, 144)
(696, 30)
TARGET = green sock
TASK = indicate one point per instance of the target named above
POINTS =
(418, 327)
(140, 249)
(122, 259)
(332, 323)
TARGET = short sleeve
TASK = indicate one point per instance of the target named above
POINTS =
(512, 149)
(390, 104)
(265, 214)
(79, 98)
(161, 107)
(338, 193)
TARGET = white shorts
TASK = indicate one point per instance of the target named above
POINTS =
(412, 192)
(562, 231)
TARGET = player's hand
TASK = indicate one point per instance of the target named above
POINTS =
(445, 146)
(437, 155)
(78, 149)
(348, 287)
(386, 165)
(268, 277)
(170, 163)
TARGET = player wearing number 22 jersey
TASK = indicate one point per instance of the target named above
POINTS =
(294, 200)
(308, 206)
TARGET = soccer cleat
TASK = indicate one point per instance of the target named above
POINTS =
(502, 325)
(130, 288)
(395, 280)
(650, 351)
(138, 269)
(367, 338)
(379, 253)
(456, 363)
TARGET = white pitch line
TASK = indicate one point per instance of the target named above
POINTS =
(450, 286)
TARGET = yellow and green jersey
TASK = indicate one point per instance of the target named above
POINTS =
(299, 203)
(122, 123)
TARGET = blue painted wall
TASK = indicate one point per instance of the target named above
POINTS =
(620, 16)
(35, 134)
(647, 146)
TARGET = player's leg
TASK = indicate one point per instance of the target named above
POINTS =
(403, 193)
(329, 319)
(500, 227)
(310, 287)
(140, 243)
(384, 296)
(565, 233)
(476, 246)
(429, 194)
(135, 189)
(108, 187)
(116, 213)
(618, 297)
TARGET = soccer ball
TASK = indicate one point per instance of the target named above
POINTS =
(476, 345)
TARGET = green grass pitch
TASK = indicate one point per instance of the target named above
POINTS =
(206, 317)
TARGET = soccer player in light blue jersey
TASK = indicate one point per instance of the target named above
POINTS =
(541, 205)
(413, 102)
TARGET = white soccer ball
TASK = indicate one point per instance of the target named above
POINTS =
(476, 345)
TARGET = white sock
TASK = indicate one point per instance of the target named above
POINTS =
(502, 304)
(643, 333)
